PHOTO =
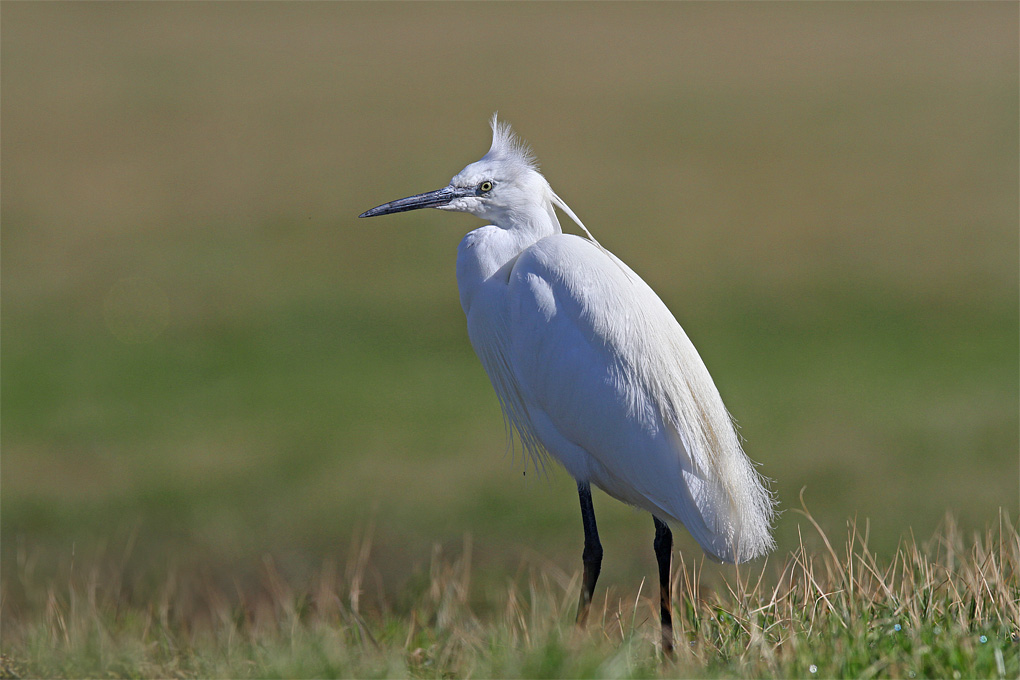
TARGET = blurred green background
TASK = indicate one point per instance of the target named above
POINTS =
(206, 356)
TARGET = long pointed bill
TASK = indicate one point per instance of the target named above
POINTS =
(430, 199)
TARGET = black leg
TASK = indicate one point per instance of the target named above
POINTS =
(592, 555)
(663, 545)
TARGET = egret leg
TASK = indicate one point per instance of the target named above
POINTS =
(592, 555)
(663, 545)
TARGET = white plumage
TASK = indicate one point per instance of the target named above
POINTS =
(588, 363)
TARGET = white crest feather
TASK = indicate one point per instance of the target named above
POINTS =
(508, 147)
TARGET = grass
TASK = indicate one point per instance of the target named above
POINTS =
(945, 607)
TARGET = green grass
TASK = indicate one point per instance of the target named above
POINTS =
(946, 607)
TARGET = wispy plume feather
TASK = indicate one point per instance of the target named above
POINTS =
(508, 147)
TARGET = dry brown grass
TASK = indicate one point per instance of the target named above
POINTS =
(943, 607)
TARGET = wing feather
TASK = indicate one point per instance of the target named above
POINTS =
(613, 388)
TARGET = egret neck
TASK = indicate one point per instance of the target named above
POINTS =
(490, 251)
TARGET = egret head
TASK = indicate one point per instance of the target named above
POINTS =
(504, 181)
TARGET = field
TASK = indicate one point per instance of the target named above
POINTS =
(230, 409)
(945, 608)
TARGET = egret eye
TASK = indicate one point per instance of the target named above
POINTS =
(485, 187)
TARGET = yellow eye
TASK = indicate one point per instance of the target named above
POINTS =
(485, 186)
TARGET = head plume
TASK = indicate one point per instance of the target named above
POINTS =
(508, 147)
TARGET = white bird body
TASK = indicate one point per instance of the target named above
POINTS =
(590, 365)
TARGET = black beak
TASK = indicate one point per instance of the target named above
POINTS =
(430, 199)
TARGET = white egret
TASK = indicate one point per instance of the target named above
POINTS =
(590, 366)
